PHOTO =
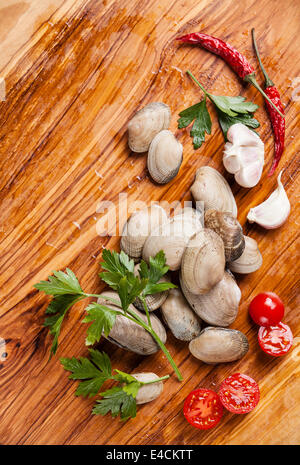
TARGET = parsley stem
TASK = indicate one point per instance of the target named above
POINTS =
(146, 310)
(166, 352)
(156, 380)
(197, 82)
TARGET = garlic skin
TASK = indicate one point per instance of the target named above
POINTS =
(274, 211)
(244, 155)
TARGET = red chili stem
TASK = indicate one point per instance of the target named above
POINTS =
(268, 81)
(235, 59)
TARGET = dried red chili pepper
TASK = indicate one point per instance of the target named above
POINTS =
(235, 59)
(278, 123)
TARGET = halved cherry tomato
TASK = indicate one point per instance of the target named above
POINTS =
(275, 340)
(239, 393)
(203, 409)
(266, 309)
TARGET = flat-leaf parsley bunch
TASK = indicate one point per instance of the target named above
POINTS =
(66, 290)
(230, 110)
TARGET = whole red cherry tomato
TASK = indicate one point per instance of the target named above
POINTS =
(275, 340)
(266, 309)
(203, 409)
(239, 393)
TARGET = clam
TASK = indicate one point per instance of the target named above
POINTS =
(229, 229)
(212, 188)
(203, 262)
(173, 236)
(179, 316)
(138, 227)
(219, 345)
(148, 392)
(164, 157)
(250, 260)
(153, 301)
(220, 305)
(146, 123)
(129, 335)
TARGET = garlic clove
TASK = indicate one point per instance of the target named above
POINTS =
(274, 211)
(244, 155)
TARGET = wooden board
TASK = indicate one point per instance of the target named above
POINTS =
(75, 72)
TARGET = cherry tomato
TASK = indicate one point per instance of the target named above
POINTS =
(203, 409)
(239, 393)
(275, 340)
(266, 309)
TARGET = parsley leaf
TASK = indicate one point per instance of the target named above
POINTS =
(202, 122)
(61, 283)
(232, 105)
(227, 121)
(153, 273)
(103, 318)
(116, 401)
(94, 372)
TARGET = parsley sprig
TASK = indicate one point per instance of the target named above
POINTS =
(93, 372)
(119, 275)
(230, 110)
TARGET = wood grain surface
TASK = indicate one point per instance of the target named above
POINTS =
(75, 72)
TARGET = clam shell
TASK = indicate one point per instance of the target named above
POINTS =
(203, 262)
(219, 306)
(129, 335)
(250, 260)
(153, 301)
(146, 123)
(230, 231)
(138, 227)
(164, 157)
(148, 392)
(219, 345)
(212, 188)
(172, 237)
(180, 318)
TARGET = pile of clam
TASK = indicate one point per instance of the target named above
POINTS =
(204, 245)
(149, 131)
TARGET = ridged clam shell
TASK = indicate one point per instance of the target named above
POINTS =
(153, 301)
(180, 318)
(129, 335)
(148, 392)
(138, 227)
(212, 188)
(219, 306)
(164, 157)
(146, 123)
(173, 236)
(219, 345)
(250, 260)
(229, 229)
(203, 262)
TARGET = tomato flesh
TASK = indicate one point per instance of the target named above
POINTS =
(275, 340)
(203, 409)
(266, 309)
(239, 393)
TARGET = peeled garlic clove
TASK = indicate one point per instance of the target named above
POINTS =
(153, 301)
(219, 306)
(211, 188)
(179, 316)
(250, 260)
(274, 211)
(230, 231)
(138, 227)
(148, 392)
(219, 345)
(244, 155)
(146, 123)
(129, 335)
(164, 157)
(173, 236)
(203, 262)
